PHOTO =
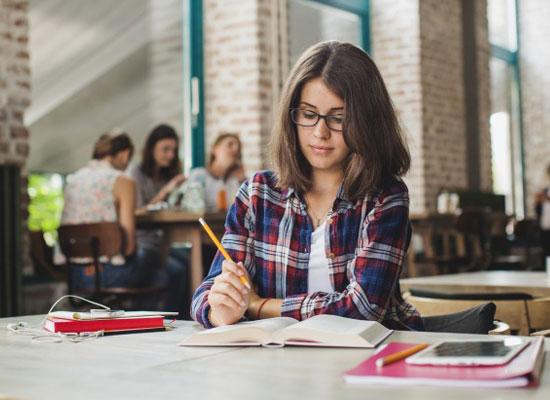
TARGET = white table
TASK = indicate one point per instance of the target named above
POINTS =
(153, 366)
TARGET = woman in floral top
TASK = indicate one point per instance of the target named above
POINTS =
(100, 192)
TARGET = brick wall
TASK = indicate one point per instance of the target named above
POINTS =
(15, 96)
(418, 47)
(484, 98)
(444, 139)
(395, 43)
(534, 64)
(243, 72)
(232, 74)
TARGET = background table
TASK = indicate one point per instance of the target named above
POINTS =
(534, 283)
(152, 365)
(184, 226)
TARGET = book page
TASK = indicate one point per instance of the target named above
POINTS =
(333, 330)
(243, 333)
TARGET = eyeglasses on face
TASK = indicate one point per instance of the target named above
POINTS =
(308, 118)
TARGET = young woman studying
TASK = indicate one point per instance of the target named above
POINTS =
(327, 230)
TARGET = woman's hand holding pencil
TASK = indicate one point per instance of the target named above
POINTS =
(231, 292)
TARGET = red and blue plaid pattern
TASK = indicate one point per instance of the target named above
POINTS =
(269, 230)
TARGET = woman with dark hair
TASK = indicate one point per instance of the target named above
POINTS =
(224, 172)
(160, 170)
(327, 231)
(156, 177)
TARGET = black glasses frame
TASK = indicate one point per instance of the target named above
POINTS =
(294, 118)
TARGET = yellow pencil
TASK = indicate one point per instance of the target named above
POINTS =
(220, 247)
(399, 355)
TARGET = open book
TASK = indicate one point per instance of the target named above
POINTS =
(321, 330)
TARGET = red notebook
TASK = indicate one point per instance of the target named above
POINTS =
(523, 370)
(54, 324)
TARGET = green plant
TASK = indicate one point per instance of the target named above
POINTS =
(46, 204)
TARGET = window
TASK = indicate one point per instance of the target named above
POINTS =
(505, 122)
(313, 21)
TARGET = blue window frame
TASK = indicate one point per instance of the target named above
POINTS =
(359, 7)
(508, 153)
(193, 86)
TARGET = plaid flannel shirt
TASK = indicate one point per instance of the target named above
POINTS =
(269, 231)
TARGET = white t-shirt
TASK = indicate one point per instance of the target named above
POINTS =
(318, 277)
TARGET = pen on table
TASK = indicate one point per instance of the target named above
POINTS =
(220, 247)
(400, 355)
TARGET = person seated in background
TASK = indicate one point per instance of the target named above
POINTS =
(220, 179)
(223, 175)
(158, 174)
(100, 192)
(542, 209)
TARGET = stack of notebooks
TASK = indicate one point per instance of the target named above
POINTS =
(128, 322)
(522, 371)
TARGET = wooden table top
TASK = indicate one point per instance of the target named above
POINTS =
(535, 283)
(178, 216)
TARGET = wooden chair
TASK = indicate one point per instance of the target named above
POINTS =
(526, 238)
(429, 230)
(474, 229)
(523, 315)
(450, 243)
(97, 240)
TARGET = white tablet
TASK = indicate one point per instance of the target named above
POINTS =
(469, 352)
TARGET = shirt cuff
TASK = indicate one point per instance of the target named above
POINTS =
(205, 320)
(292, 306)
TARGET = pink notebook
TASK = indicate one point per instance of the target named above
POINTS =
(523, 370)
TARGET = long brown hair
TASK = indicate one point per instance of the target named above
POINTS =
(371, 128)
(148, 163)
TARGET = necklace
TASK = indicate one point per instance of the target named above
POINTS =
(317, 219)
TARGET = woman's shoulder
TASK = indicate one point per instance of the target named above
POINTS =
(265, 178)
(389, 187)
(262, 184)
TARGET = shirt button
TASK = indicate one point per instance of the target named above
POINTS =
(331, 256)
